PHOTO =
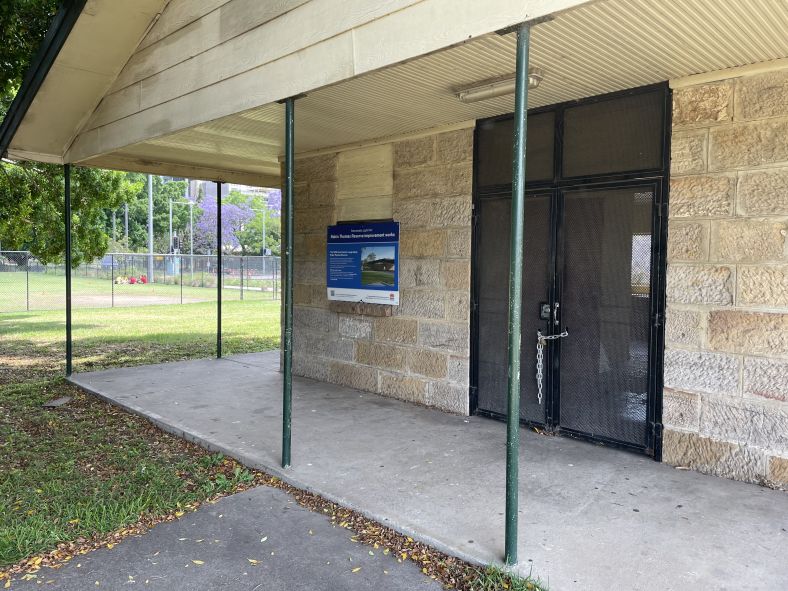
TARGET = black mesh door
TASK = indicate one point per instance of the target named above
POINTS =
(494, 224)
(606, 287)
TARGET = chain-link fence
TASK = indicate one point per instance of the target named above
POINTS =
(123, 280)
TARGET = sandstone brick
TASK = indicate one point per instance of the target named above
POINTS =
(778, 471)
(322, 193)
(688, 241)
(744, 145)
(458, 305)
(702, 196)
(313, 319)
(396, 330)
(353, 376)
(313, 245)
(712, 457)
(459, 243)
(748, 240)
(313, 220)
(309, 366)
(766, 378)
(455, 146)
(456, 274)
(421, 303)
(459, 370)
(745, 422)
(763, 285)
(700, 371)
(380, 355)
(433, 181)
(360, 308)
(683, 327)
(434, 213)
(748, 333)
(428, 363)
(762, 95)
(419, 273)
(763, 192)
(688, 152)
(414, 152)
(704, 104)
(448, 397)
(700, 284)
(316, 168)
(302, 294)
(680, 409)
(354, 327)
(422, 243)
(445, 336)
(403, 387)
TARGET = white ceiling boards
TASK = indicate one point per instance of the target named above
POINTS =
(219, 117)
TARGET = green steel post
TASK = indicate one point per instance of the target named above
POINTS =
(219, 272)
(515, 291)
(67, 223)
(287, 389)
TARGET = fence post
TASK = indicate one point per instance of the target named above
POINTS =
(180, 268)
(165, 269)
(242, 277)
(112, 277)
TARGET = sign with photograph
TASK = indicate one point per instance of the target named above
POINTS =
(362, 262)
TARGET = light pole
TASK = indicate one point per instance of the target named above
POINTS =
(191, 229)
(150, 229)
(264, 211)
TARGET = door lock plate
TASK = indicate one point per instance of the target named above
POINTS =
(544, 311)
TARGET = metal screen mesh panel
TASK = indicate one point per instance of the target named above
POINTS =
(493, 270)
(606, 294)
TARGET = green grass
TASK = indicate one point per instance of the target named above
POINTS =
(377, 277)
(495, 579)
(47, 291)
(87, 468)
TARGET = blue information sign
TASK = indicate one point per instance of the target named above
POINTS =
(362, 262)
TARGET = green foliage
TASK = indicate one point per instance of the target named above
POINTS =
(23, 24)
(138, 213)
(494, 578)
(32, 203)
(251, 236)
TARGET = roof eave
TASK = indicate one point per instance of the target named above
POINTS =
(53, 42)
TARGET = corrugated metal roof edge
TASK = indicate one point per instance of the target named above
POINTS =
(62, 24)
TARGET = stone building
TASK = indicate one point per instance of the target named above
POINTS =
(656, 204)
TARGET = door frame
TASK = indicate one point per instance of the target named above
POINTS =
(660, 177)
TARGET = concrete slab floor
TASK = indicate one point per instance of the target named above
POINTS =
(293, 549)
(591, 517)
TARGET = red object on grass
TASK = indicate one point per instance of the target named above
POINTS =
(143, 278)
(132, 280)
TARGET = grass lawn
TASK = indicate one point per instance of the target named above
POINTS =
(377, 278)
(83, 471)
(46, 291)
(87, 474)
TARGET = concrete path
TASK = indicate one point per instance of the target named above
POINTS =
(591, 517)
(301, 551)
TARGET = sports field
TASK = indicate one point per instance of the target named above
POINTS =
(44, 291)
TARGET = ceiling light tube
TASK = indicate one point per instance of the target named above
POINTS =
(496, 88)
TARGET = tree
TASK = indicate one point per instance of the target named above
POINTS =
(163, 191)
(32, 203)
(234, 217)
(31, 193)
(265, 208)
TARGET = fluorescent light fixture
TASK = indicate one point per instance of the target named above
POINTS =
(497, 87)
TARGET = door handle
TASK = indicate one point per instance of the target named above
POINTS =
(556, 320)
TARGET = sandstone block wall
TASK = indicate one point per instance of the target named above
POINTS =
(417, 351)
(726, 358)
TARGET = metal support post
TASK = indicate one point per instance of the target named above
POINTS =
(27, 280)
(112, 277)
(67, 223)
(515, 292)
(150, 229)
(218, 269)
(287, 389)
